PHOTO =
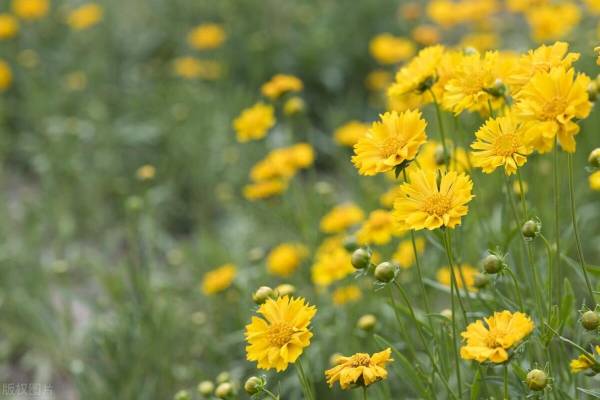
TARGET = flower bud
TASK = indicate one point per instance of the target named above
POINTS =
(285, 289)
(530, 229)
(293, 106)
(361, 258)
(367, 322)
(224, 390)
(492, 264)
(447, 313)
(440, 157)
(594, 158)
(537, 379)
(350, 243)
(262, 294)
(253, 385)
(223, 377)
(481, 280)
(592, 90)
(205, 388)
(182, 395)
(590, 320)
(385, 272)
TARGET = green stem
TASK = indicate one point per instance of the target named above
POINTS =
(506, 381)
(409, 343)
(522, 195)
(576, 231)
(270, 394)
(453, 281)
(438, 113)
(364, 393)
(556, 221)
(550, 274)
(517, 289)
(308, 393)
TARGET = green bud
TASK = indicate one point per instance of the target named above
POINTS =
(350, 243)
(224, 390)
(262, 294)
(530, 229)
(537, 379)
(223, 377)
(594, 158)
(481, 281)
(367, 322)
(182, 395)
(361, 258)
(253, 385)
(205, 388)
(590, 320)
(492, 264)
(385, 272)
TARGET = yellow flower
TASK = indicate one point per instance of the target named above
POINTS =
(264, 189)
(206, 36)
(9, 26)
(387, 199)
(294, 105)
(555, 99)
(504, 330)
(378, 80)
(145, 172)
(30, 9)
(405, 255)
(448, 13)
(280, 84)
(283, 162)
(5, 76)
(425, 204)
(480, 41)
(583, 362)
(553, 21)
(254, 122)
(594, 180)
(85, 16)
(346, 294)
(191, 68)
(302, 155)
(501, 142)
(341, 217)
(349, 133)
(524, 5)
(330, 266)
(284, 259)
(360, 369)
(377, 229)
(388, 49)
(279, 338)
(444, 276)
(76, 80)
(390, 142)
(426, 35)
(593, 6)
(218, 279)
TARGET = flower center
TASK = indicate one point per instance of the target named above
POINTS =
(280, 333)
(437, 204)
(492, 338)
(506, 145)
(360, 360)
(390, 145)
(553, 108)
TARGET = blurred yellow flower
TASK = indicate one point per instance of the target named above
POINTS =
(517, 188)
(444, 277)
(411, 10)
(206, 36)
(584, 362)
(76, 80)
(145, 172)
(425, 203)
(594, 181)
(218, 279)
(30, 9)
(553, 21)
(279, 338)
(9, 26)
(360, 369)
(448, 13)
(388, 49)
(346, 294)
(597, 50)
(593, 6)
(378, 80)
(330, 266)
(254, 122)
(524, 5)
(404, 255)
(281, 84)
(349, 133)
(294, 105)
(501, 142)
(264, 189)
(283, 162)
(284, 259)
(85, 16)
(480, 41)
(377, 229)
(502, 331)
(341, 217)
(191, 68)
(387, 199)
(394, 139)
(426, 35)
(5, 75)
(555, 99)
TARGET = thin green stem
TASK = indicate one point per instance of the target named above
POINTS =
(517, 289)
(409, 343)
(550, 274)
(308, 392)
(556, 221)
(522, 194)
(364, 393)
(506, 381)
(438, 113)
(453, 281)
(270, 394)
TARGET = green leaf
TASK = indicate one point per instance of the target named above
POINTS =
(566, 305)
(592, 393)
(476, 385)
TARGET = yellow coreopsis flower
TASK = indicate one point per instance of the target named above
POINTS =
(426, 35)
(504, 331)
(584, 362)
(378, 80)
(405, 254)
(218, 279)
(593, 6)
(346, 294)
(553, 21)
(264, 189)
(284, 259)
(465, 271)
(5, 76)
(145, 172)
(254, 122)
(594, 181)
(206, 36)
(349, 133)
(501, 142)
(279, 338)
(9, 26)
(85, 16)
(426, 204)
(480, 41)
(389, 49)
(377, 229)
(341, 217)
(555, 99)
(330, 266)
(524, 5)
(394, 139)
(280, 84)
(30, 9)
(191, 68)
(360, 369)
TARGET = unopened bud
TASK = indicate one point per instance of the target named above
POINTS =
(224, 390)
(440, 156)
(594, 158)
(262, 294)
(350, 243)
(223, 377)
(182, 395)
(537, 379)
(481, 280)
(285, 289)
(447, 313)
(590, 320)
(592, 90)
(385, 272)
(361, 258)
(205, 388)
(530, 229)
(367, 322)
(253, 385)
(492, 264)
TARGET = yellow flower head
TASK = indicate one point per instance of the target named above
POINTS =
(206, 36)
(405, 254)
(283, 162)
(30, 9)
(377, 229)
(555, 99)
(346, 294)
(490, 341)
(331, 265)
(218, 279)
(341, 217)
(426, 35)
(279, 338)
(553, 21)
(85, 16)
(254, 122)
(349, 133)
(501, 142)
(280, 84)
(524, 5)
(426, 204)
(5, 76)
(480, 41)
(584, 362)
(284, 259)
(378, 80)
(264, 189)
(9, 26)
(293, 105)
(594, 181)
(360, 369)
(191, 68)
(389, 49)
(390, 142)
(145, 172)
(465, 271)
